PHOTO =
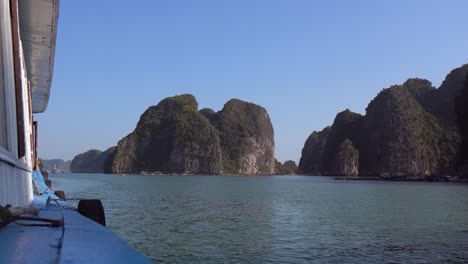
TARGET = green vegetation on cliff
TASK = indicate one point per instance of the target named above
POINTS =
(441, 102)
(312, 153)
(289, 167)
(395, 130)
(171, 137)
(246, 135)
(346, 161)
(407, 130)
(461, 108)
(91, 161)
(346, 126)
(208, 113)
(174, 137)
(401, 137)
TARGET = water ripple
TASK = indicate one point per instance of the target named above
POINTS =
(207, 219)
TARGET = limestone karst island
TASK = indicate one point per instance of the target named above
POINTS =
(174, 137)
(409, 131)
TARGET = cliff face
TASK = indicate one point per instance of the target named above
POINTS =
(346, 161)
(246, 137)
(125, 159)
(403, 138)
(91, 161)
(346, 126)
(441, 102)
(171, 137)
(322, 150)
(461, 109)
(408, 129)
(312, 153)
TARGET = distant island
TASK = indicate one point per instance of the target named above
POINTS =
(174, 137)
(409, 130)
(55, 165)
(93, 161)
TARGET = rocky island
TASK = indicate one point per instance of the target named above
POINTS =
(173, 137)
(289, 167)
(92, 161)
(408, 130)
(411, 129)
(246, 138)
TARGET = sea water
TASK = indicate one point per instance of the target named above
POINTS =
(280, 219)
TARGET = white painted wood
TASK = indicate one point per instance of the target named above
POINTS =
(3, 136)
(15, 172)
(27, 117)
(8, 76)
(15, 185)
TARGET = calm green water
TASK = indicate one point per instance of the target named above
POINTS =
(282, 219)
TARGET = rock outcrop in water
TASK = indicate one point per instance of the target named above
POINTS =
(408, 129)
(92, 161)
(171, 137)
(174, 137)
(246, 137)
(289, 167)
(312, 153)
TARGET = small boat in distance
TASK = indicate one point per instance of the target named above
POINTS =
(56, 170)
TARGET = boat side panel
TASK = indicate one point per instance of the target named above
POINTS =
(15, 185)
(85, 241)
(8, 79)
(15, 172)
(31, 244)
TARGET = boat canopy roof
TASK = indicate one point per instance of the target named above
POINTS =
(38, 27)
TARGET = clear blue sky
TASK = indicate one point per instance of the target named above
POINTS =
(302, 60)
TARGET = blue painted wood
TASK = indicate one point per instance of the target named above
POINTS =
(85, 241)
(48, 200)
(80, 240)
(37, 176)
(31, 244)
